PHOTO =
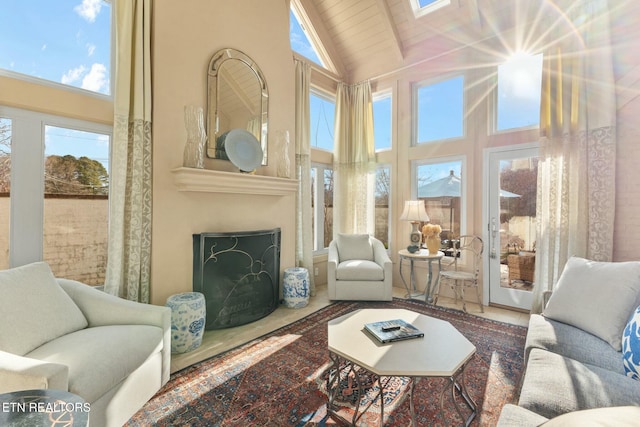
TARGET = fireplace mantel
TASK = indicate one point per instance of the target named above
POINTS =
(211, 181)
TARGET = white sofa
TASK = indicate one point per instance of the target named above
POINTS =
(575, 373)
(359, 268)
(62, 334)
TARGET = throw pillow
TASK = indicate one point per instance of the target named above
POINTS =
(354, 246)
(35, 309)
(597, 297)
(631, 346)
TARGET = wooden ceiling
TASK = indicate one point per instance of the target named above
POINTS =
(368, 38)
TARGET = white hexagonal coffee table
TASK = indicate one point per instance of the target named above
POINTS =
(443, 352)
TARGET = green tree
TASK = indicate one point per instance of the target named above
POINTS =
(524, 183)
(69, 175)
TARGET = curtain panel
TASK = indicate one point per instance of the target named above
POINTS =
(576, 171)
(354, 161)
(129, 247)
(304, 226)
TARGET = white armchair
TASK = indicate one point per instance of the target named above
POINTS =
(359, 268)
(62, 334)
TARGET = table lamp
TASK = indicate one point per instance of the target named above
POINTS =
(415, 213)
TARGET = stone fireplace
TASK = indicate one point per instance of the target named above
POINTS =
(239, 275)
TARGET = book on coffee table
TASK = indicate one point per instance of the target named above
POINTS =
(393, 330)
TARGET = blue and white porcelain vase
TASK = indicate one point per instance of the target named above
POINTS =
(295, 290)
(188, 314)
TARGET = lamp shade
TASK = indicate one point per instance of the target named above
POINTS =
(414, 211)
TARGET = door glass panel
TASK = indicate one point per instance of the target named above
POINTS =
(512, 186)
(76, 204)
(518, 186)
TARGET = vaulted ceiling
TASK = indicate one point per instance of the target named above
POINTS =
(368, 38)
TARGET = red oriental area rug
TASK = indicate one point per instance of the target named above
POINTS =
(278, 379)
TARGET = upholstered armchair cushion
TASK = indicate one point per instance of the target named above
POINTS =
(359, 270)
(33, 289)
(354, 246)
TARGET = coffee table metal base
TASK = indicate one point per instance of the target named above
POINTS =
(358, 379)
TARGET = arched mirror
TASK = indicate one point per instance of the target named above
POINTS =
(238, 99)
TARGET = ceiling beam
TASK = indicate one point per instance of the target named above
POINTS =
(320, 37)
(390, 27)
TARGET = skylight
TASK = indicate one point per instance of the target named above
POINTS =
(423, 7)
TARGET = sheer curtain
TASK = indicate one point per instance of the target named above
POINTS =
(129, 248)
(304, 227)
(354, 161)
(576, 173)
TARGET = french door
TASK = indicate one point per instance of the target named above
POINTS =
(510, 213)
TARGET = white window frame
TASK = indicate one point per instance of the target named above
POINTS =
(414, 108)
(388, 166)
(26, 230)
(463, 182)
(387, 93)
(419, 11)
(493, 109)
(329, 97)
(318, 214)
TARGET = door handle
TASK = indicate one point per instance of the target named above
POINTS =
(494, 231)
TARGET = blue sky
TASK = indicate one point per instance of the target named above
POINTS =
(64, 41)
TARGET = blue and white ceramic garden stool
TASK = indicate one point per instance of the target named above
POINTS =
(295, 289)
(188, 313)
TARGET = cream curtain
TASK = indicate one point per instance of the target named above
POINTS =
(129, 248)
(576, 172)
(304, 227)
(354, 161)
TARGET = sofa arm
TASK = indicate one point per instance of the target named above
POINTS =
(516, 416)
(102, 309)
(24, 373)
(332, 266)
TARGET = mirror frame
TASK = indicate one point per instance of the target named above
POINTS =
(220, 57)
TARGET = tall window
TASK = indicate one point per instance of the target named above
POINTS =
(441, 185)
(518, 92)
(5, 188)
(382, 198)
(322, 205)
(59, 193)
(322, 109)
(382, 120)
(299, 39)
(63, 41)
(439, 110)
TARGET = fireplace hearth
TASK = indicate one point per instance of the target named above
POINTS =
(239, 275)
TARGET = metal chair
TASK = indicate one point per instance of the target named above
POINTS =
(467, 258)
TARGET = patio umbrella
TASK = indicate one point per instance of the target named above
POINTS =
(449, 186)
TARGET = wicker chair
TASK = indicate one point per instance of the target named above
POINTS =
(467, 258)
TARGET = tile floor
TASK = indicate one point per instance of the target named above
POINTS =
(219, 341)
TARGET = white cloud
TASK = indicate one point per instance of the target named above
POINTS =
(90, 48)
(89, 9)
(96, 79)
(73, 75)
(44, 47)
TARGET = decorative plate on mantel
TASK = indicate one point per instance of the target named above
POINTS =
(242, 148)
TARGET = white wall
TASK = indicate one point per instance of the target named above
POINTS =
(186, 36)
